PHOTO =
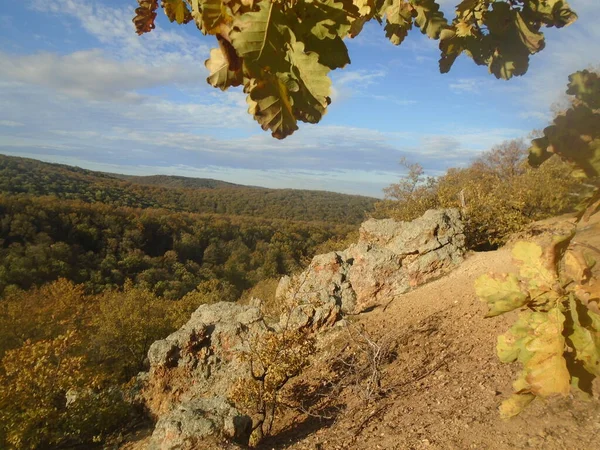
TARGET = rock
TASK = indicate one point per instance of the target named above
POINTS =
(199, 361)
(193, 369)
(188, 424)
(389, 259)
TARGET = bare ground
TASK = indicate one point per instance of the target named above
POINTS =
(444, 383)
(441, 382)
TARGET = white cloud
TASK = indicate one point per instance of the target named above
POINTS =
(358, 78)
(349, 83)
(10, 123)
(114, 29)
(569, 49)
(537, 115)
(89, 74)
(471, 85)
(218, 135)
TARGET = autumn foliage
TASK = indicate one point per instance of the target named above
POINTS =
(556, 338)
(499, 193)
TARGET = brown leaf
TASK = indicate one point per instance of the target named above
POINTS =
(145, 15)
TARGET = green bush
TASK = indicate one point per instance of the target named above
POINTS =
(499, 193)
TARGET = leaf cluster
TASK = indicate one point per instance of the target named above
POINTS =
(557, 335)
(559, 332)
(282, 51)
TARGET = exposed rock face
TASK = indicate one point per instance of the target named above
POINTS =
(389, 259)
(193, 369)
(191, 372)
(189, 424)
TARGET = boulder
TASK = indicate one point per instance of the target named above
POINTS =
(192, 371)
(389, 259)
(191, 424)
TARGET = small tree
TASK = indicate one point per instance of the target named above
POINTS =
(410, 197)
(274, 359)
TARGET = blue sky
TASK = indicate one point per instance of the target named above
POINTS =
(78, 86)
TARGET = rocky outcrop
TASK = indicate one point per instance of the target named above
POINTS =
(190, 425)
(389, 259)
(192, 370)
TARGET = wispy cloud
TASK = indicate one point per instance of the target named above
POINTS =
(113, 28)
(90, 74)
(573, 48)
(10, 123)
(471, 85)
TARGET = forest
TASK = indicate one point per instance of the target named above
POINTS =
(93, 269)
(27, 176)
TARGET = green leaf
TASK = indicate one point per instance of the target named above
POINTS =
(312, 97)
(269, 102)
(586, 341)
(429, 18)
(585, 86)
(534, 265)
(538, 152)
(365, 7)
(532, 39)
(177, 11)
(321, 26)
(221, 75)
(213, 14)
(510, 57)
(260, 36)
(451, 46)
(556, 13)
(515, 404)
(325, 19)
(512, 344)
(333, 53)
(575, 137)
(503, 293)
(399, 21)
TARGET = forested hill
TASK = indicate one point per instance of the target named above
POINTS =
(174, 181)
(28, 176)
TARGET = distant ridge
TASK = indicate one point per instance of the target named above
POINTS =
(177, 193)
(177, 181)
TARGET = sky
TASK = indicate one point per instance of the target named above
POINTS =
(79, 87)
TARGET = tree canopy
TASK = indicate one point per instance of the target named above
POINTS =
(282, 51)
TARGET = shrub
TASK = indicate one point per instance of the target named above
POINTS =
(499, 193)
(274, 359)
(48, 397)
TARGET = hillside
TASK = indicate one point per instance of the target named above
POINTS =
(28, 176)
(444, 383)
(101, 246)
(432, 349)
(174, 181)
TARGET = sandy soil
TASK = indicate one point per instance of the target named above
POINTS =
(445, 383)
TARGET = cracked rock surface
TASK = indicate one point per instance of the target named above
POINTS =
(389, 259)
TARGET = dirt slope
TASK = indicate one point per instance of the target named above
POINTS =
(446, 383)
